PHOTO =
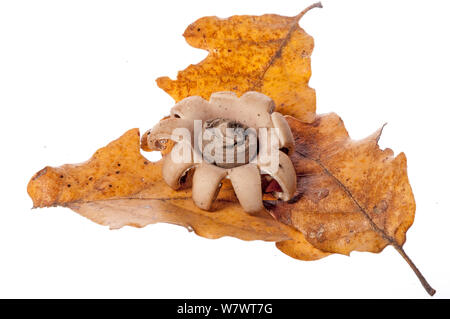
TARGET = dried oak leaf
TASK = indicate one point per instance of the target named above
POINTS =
(270, 54)
(119, 187)
(351, 195)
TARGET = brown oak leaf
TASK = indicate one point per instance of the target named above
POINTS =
(337, 179)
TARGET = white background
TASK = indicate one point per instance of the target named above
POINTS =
(75, 75)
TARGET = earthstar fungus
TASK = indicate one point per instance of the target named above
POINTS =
(225, 111)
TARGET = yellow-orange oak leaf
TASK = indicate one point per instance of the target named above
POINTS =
(269, 53)
(119, 187)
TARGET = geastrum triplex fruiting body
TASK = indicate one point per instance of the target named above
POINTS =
(241, 139)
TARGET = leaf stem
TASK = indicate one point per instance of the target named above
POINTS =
(377, 229)
(314, 5)
(416, 270)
